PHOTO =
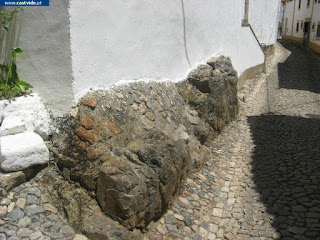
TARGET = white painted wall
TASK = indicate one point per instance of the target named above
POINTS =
(288, 14)
(264, 19)
(74, 46)
(118, 40)
(281, 9)
(46, 60)
(250, 50)
(316, 20)
(294, 14)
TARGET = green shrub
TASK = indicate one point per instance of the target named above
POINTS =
(10, 84)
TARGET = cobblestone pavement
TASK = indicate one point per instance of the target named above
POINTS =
(300, 70)
(262, 181)
(26, 213)
(293, 102)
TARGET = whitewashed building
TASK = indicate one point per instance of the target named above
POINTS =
(72, 47)
(302, 22)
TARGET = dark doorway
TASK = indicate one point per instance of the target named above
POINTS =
(306, 33)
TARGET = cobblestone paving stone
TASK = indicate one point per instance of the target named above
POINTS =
(226, 199)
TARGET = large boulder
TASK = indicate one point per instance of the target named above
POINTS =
(24, 113)
(137, 186)
(130, 150)
(132, 147)
(213, 92)
(83, 212)
(21, 151)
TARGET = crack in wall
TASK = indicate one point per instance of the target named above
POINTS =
(185, 34)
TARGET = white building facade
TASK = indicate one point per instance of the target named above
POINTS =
(72, 47)
(302, 22)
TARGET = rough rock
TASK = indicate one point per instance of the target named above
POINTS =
(25, 113)
(20, 151)
(89, 101)
(82, 211)
(12, 125)
(123, 185)
(10, 180)
(132, 147)
(213, 92)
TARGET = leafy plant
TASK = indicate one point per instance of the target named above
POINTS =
(6, 18)
(10, 84)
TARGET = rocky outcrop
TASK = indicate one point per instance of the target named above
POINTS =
(82, 211)
(212, 92)
(11, 180)
(133, 146)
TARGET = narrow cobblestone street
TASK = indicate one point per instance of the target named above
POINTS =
(262, 181)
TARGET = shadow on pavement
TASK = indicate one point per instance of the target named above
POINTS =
(301, 70)
(286, 170)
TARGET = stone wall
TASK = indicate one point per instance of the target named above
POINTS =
(133, 146)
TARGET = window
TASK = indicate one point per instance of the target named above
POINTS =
(318, 30)
(299, 4)
(308, 3)
(301, 25)
(297, 29)
(313, 27)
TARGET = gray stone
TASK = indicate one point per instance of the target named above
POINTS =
(3, 211)
(32, 199)
(297, 230)
(172, 228)
(67, 230)
(34, 209)
(56, 226)
(197, 237)
(24, 222)
(54, 235)
(13, 238)
(36, 235)
(15, 214)
(33, 191)
(53, 217)
(23, 232)
(187, 221)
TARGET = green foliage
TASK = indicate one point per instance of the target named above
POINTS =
(6, 18)
(10, 84)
